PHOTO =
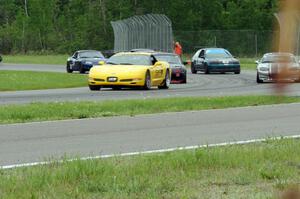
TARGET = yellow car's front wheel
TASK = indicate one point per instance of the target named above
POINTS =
(166, 83)
(147, 84)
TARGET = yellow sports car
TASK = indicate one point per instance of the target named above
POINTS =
(131, 69)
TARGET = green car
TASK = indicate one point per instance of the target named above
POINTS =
(210, 60)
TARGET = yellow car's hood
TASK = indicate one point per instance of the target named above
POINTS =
(118, 69)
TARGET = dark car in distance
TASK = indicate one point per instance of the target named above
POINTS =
(209, 60)
(84, 60)
(176, 65)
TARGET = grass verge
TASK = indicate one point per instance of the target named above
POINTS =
(258, 170)
(79, 110)
(27, 80)
(36, 59)
(248, 63)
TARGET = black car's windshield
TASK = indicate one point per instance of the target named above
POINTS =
(278, 59)
(91, 54)
(129, 59)
(171, 59)
(217, 54)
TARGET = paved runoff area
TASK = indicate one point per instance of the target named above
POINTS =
(34, 142)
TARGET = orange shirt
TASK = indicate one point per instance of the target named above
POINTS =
(178, 49)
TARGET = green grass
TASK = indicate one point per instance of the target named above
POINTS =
(259, 170)
(79, 110)
(27, 80)
(248, 63)
(36, 59)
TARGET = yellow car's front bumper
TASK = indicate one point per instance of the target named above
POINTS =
(120, 82)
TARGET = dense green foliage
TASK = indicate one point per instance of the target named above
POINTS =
(62, 26)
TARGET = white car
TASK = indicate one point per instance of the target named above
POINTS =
(275, 67)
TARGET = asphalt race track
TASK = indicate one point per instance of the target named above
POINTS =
(23, 143)
(198, 85)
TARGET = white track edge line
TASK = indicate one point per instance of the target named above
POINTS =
(150, 151)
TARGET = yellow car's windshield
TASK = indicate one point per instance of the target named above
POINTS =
(128, 59)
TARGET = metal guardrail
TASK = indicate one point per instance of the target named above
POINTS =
(151, 31)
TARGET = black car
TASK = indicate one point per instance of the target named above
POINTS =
(214, 60)
(108, 53)
(178, 69)
(84, 60)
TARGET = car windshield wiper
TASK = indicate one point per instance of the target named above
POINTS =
(97, 57)
(112, 63)
(126, 64)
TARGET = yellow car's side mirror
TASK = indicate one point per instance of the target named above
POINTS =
(101, 62)
(158, 63)
(161, 63)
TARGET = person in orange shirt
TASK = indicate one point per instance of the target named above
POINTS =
(178, 49)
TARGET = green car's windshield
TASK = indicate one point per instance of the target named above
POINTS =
(217, 54)
(278, 59)
(171, 59)
(91, 54)
(127, 59)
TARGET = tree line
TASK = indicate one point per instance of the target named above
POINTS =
(62, 26)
